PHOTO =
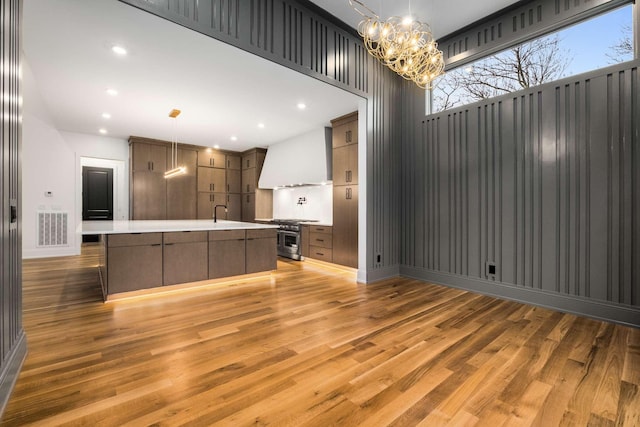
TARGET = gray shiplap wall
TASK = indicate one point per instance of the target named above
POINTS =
(545, 183)
(13, 345)
(298, 35)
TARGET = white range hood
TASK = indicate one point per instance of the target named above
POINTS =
(302, 160)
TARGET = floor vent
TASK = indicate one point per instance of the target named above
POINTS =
(52, 229)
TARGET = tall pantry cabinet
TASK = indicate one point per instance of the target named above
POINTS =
(345, 190)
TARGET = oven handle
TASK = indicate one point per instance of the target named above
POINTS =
(288, 233)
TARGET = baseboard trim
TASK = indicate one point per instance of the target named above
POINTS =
(601, 310)
(9, 374)
(376, 275)
(49, 253)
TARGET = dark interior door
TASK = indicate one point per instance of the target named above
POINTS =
(97, 193)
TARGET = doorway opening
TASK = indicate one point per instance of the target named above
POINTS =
(97, 196)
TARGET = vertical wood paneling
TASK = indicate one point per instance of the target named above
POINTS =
(553, 193)
(12, 342)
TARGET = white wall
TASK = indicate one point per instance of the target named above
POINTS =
(51, 161)
(318, 206)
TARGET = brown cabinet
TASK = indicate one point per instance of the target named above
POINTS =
(126, 254)
(345, 191)
(234, 181)
(345, 130)
(345, 165)
(226, 253)
(321, 242)
(184, 257)
(206, 202)
(234, 207)
(148, 186)
(212, 180)
(345, 225)
(181, 189)
(304, 240)
(261, 250)
(211, 158)
(256, 203)
(234, 162)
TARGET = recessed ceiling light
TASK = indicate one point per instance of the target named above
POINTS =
(234, 138)
(119, 50)
(261, 125)
(106, 115)
(102, 131)
(216, 146)
(301, 106)
(112, 92)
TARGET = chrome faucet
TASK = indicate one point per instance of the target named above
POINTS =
(215, 211)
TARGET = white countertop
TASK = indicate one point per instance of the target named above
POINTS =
(139, 226)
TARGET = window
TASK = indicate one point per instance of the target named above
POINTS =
(601, 41)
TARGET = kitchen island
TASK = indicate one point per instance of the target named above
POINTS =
(139, 257)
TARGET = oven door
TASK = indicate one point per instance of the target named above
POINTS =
(289, 244)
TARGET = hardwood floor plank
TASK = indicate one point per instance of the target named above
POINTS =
(308, 346)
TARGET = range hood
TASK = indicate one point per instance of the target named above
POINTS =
(302, 160)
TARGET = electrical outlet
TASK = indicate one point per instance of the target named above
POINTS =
(490, 270)
(379, 258)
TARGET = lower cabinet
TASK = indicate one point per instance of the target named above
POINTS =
(184, 257)
(226, 253)
(262, 250)
(134, 261)
(321, 243)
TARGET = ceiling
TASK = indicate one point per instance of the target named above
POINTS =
(223, 92)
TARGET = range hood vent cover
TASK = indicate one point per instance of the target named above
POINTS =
(302, 160)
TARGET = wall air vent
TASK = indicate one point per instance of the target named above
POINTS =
(52, 229)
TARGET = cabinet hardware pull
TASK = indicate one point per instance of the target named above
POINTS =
(319, 240)
(168, 244)
(214, 187)
(247, 188)
(319, 253)
(227, 188)
(210, 162)
(229, 163)
(156, 244)
(347, 136)
(247, 198)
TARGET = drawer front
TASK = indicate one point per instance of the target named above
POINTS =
(320, 229)
(261, 233)
(321, 239)
(185, 237)
(134, 239)
(226, 235)
(323, 254)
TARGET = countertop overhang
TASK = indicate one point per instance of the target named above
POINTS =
(162, 226)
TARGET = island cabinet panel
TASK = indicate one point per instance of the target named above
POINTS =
(226, 253)
(262, 251)
(184, 257)
(211, 158)
(134, 261)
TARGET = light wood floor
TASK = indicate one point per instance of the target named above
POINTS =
(311, 347)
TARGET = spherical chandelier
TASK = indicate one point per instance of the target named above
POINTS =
(404, 45)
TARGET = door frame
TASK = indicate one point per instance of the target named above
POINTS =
(120, 188)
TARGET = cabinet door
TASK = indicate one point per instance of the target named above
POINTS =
(345, 134)
(211, 179)
(226, 258)
(249, 207)
(234, 162)
(187, 158)
(234, 181)
(345, 165)
(206, 202)
(262, 254)
(185, 262)
(149, 157)
(345, 225)
(149, 198)
(249, 161)
(181, 197)
(234, 207)
(124, 272)
(211, 158)
(249, 180)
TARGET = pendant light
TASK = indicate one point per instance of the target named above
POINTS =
(175, 169)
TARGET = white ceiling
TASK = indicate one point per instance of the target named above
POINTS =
(221, 90)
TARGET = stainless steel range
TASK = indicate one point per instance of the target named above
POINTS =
(289, 233)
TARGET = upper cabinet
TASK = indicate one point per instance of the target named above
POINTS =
(211, 158)
(147, 157)
(345, 130)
